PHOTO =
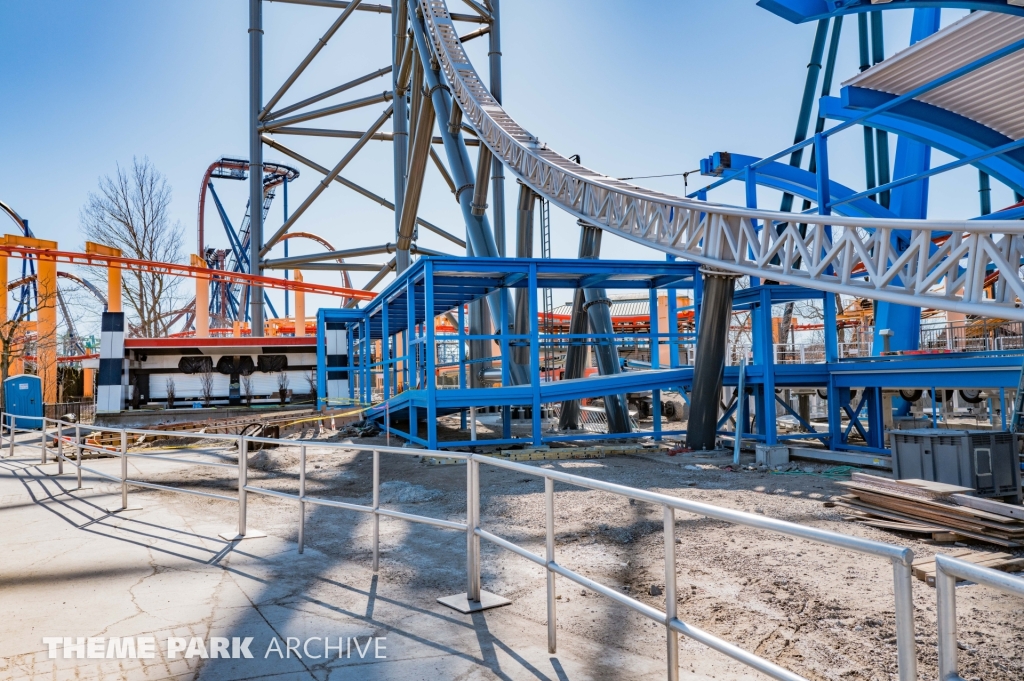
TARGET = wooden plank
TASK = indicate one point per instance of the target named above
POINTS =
(902, 527)
(940, 488)
(989, 505)
(1014, 565)
(911, 485)
(920, 514)
(954, 554)
(977, 557)
(894, 515)
(971, 515)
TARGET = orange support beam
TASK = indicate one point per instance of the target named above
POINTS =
(46, 285)
(179, 270)
(300, 308)
(6, 294)
(202, 299)
(113, 274)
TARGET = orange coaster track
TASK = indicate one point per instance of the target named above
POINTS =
(180, 270)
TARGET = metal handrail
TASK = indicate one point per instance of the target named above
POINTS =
(947, 570)
(900, 557)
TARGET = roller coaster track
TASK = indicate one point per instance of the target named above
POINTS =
(179, 270)
(849, 255)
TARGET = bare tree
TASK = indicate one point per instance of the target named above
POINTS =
(15, 342)
(170, 392)
(311, 380)
(131, 211)
(247, 390)
(282, 385)
(206, 386)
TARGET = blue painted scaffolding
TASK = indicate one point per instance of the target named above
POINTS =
(412, 374)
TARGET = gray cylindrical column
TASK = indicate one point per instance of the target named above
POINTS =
(709, 363)
(592, 305)
(575, 361)
(400, 121)
(255, 162)
(524, 249)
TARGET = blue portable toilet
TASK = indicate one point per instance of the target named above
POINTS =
(23, 398)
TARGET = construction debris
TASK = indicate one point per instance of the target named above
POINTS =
(946, 512)
(924, 568)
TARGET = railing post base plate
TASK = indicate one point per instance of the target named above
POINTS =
(462, 603)
(249, 534)
(118, 509)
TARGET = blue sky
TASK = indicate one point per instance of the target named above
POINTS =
(636, 88)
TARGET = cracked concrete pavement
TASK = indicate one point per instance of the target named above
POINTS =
(71, 569)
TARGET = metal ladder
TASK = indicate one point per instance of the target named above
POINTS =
(545, 252)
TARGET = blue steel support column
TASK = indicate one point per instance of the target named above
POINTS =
(764, 356)
(428, 348)
(830, 330)
(672, 315)
(908, 201)
(478, 229)
(655, 363)
(506, 365)
(385, 352)
(984, 192)
(367, 370)
(462, 347)
(462, 359)
(865, 63)
(284, 200)
(349, 370)
(876, 419)
(321, 361)
(881, 136)
(750, 185)
(807, 103)
(411, 359)
(534, 355)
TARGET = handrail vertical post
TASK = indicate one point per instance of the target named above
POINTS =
(42, 441)
(124, 470)
(60, 448)
(243, 471)
(78, 452)
(302, 498)
(10, 451)
(376, 507)
(906, 645)
(672, 637)
(945, 613)
(472, 522)
(549, 558)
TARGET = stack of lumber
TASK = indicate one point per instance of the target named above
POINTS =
(924, 568)
(944, 511)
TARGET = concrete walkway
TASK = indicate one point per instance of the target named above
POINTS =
(71, 569)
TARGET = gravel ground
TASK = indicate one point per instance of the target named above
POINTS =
(821, 612)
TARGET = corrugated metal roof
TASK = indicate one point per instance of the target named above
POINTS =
(620, 308)
(992, 95)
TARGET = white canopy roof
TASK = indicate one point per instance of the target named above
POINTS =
(992, 95)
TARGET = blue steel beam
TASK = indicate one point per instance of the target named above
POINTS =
(943, 130)
(796, 181)
(802, 11)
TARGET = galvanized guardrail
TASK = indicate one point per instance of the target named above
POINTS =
(901, 558)
(947, 570)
